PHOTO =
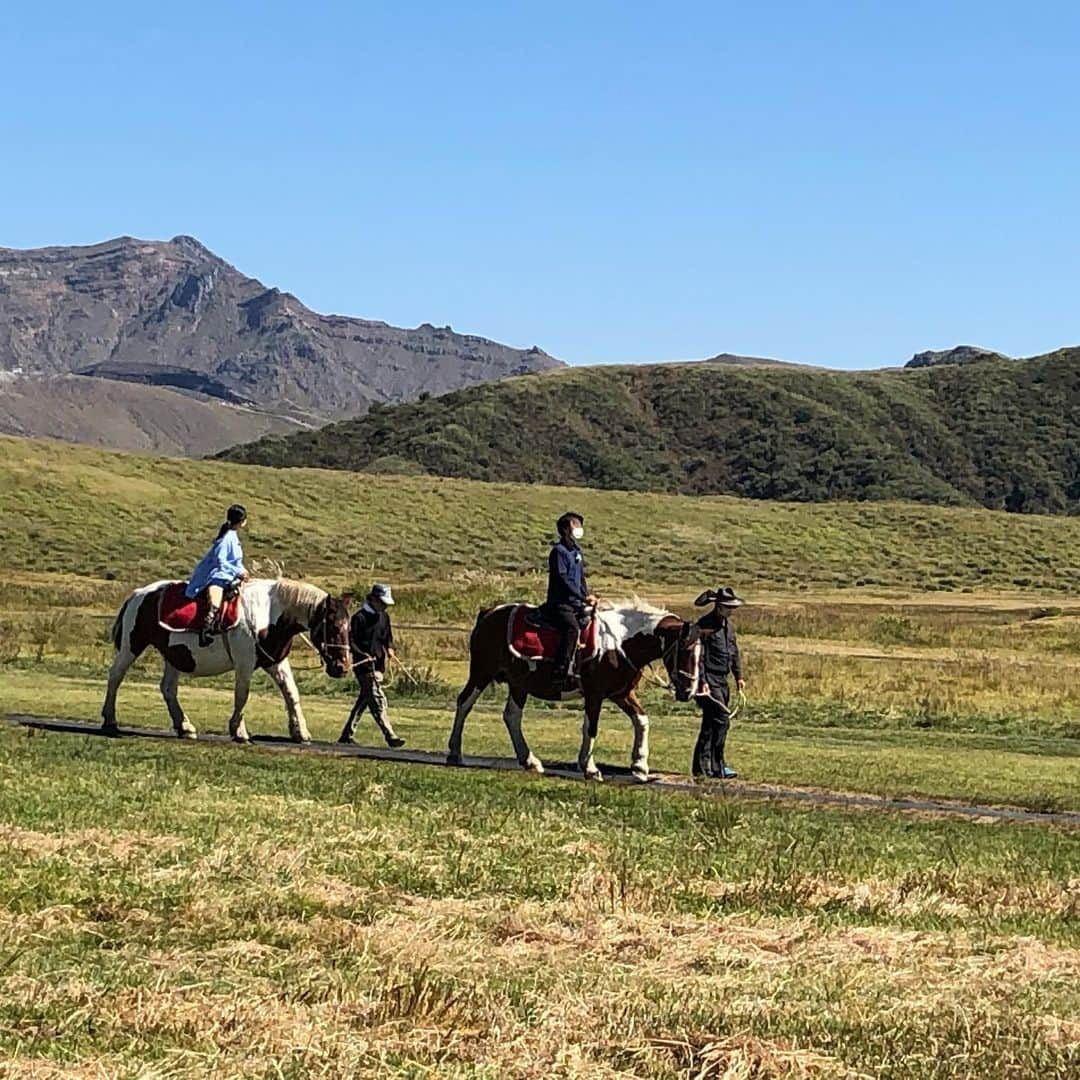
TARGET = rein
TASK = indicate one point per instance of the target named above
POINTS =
(665, 683)
(321, 650)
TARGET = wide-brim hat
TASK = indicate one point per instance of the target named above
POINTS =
(723, 597)
(383, 593)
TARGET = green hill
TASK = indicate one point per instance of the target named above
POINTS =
(1004, 434)
(72, 510)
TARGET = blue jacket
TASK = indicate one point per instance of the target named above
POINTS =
(221, 565)
(566, 576)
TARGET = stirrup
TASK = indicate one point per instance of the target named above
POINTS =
(210, 627)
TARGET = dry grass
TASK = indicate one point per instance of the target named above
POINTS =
(168, 911)
(236, 914)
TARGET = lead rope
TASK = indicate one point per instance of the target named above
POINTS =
(665, 684)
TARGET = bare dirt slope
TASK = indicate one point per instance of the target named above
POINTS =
(127, 416)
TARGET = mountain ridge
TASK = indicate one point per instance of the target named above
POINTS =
(131, 306)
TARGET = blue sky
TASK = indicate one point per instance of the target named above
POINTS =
(836, 183)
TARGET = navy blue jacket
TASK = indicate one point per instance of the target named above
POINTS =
(720, 652)
(566, 576)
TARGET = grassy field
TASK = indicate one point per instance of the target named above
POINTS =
(172, 909)
(132, 518)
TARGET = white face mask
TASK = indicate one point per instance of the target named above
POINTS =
(577, 532)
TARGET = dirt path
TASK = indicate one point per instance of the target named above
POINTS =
(613, 774)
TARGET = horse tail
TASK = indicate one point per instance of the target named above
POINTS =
(118, 624)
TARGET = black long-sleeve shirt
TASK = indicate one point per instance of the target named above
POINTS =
(371, 635)
(720, 650)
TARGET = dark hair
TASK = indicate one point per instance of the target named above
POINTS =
(234, 516)
(564, 521)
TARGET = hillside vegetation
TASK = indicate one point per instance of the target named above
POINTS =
(130, 517)
(999, 433)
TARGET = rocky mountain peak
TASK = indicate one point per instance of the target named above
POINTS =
(959, 354)
(172, 313)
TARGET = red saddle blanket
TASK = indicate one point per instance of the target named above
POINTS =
(179, 614)
(528, 642)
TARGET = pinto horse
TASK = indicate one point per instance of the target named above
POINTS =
(271, 612)
(629, 638)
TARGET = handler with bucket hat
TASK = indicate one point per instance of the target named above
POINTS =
(372, 639)
(719, 658)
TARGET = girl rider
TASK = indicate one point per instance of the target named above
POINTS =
(219, 568)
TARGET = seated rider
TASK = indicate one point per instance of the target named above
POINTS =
(219, 569)
(567, 592)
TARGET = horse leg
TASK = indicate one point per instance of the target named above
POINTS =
(124, 638)
(170, 679)
(589, 728)
(121, 662)
(639, 762)
(465, 702)
(283, 679)
(237, 727)
(512, 713)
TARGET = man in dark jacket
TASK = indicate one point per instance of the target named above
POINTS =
(372, 639)
(719, 658)
(568, 591)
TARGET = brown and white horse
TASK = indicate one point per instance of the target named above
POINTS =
(271, 613)
(630, 637)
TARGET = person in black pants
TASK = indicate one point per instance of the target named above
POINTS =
(372, 639)
(719, 658)
(567, 592)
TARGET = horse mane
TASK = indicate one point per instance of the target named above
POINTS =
(626, 618)
(297, 595)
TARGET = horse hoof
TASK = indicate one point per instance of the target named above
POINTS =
(640, 775)
(533, 765)
(594, 774)
(110, 727)
(187, 733)
(243, 740)
(454, 759)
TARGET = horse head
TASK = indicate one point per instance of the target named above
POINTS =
(681, 642)
(330, 635)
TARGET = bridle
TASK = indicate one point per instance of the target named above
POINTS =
(320, 644)
(665, 657)
(316, 642)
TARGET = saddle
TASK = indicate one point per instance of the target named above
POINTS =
(180, 615)
(530, 636)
